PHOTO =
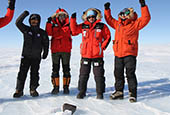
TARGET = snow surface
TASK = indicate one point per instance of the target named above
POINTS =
(153, 73)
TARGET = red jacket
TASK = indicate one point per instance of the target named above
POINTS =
(8, 17)
(61, 34)
(126, 35)
(95, 37)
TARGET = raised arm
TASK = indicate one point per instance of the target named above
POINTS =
(19, 22)
(145, 15)
(109, 19)
(75, 29)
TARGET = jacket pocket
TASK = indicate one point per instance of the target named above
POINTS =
(130, 46)
(98, 34)
(97, 49)
(83, 48)
(115, 45)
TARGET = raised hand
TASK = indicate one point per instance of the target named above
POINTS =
(11, 4)
(73, 15)
(107, 5)
(49, 20)
(142, 2)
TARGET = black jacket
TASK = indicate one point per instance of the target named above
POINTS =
(35, 40)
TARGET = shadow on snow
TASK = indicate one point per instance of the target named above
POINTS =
(146, 90)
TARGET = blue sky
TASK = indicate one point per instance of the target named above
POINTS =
(156, 32)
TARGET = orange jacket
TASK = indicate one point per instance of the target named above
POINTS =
(95, 37)
(127, 32)
(61, 35)
(8, 17)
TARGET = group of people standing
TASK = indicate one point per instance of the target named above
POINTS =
(95, 39)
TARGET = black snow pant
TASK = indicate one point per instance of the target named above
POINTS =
(64, 57)
(34, 65)
(98, 70)
(129, 64)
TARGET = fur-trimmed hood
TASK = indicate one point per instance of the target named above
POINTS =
(98, 17)
(56, 15)
(58, 12)
(131, 17)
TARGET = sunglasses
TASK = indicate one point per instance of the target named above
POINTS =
(91, 17)
(124, 13)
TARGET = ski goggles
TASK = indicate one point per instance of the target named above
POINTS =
(62, 17)
(124, 12)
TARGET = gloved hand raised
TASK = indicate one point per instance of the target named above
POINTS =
(26, 12)
(11, 4)
(73, 15)
(49, 20)
(142, 2)
(107, 5)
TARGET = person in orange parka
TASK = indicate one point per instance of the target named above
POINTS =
(9, 15)
(125, 47)
(58, 27)
(95, 39)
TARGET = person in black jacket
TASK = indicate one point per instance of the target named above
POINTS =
(35, 41)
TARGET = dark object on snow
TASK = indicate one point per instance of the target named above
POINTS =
(69, 107)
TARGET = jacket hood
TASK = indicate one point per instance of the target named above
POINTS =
(131, 17)
(35, 16)
(59, 12)
(98, 15)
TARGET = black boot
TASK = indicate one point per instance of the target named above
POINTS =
(99, 96)
(116, 95)
(18, 94)
(34, 93)
(132, 97)
(81, 95)
(66, 90)
(55, 90)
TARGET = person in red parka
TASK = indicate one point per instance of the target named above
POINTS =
(95, 39)
(58, 27)
(9, 15)
(125, 47)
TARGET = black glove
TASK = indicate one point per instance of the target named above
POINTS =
(142, 2)
(73, 15)
(26, 13)
(44, 56)
(107, 5)
(11, 4)
(49, 20)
